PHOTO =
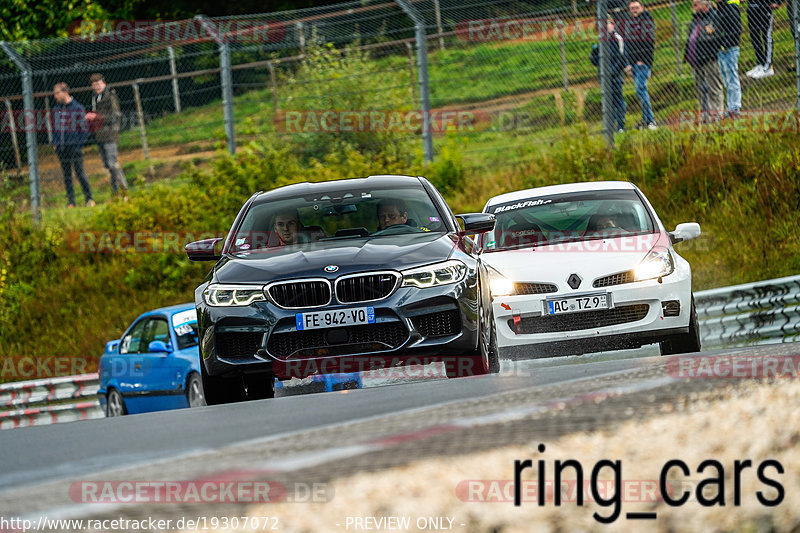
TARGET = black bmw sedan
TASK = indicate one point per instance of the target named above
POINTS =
(340, 276)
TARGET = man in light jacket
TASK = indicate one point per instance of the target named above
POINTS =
(105, 118)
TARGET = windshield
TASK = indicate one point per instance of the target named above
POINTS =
(337, 216)
(579, 216)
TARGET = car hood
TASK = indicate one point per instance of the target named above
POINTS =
(588, 259)
(394, 252)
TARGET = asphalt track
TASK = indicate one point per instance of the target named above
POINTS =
(323, 436)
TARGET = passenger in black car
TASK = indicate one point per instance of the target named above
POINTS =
(391, 212)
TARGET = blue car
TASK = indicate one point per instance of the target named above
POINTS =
(156, 366)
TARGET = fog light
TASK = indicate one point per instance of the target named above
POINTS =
(671, 307)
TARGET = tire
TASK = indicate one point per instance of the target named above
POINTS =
(194, 391)
(686, 343)
(489, 347)
(115, 404)
(484, 362)
(219, 390)
(259, 386)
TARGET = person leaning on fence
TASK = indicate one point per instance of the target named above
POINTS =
(69, 135)
(105, 119)
(618, 62)
(639, 33)
(702, 47)
(728, 25)
(760, 20)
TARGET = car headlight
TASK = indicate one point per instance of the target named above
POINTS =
(657, 263)
(499, 285)
(444, 273)
(233, 295)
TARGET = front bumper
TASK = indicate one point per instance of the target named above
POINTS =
(412, 326)
(636, 318)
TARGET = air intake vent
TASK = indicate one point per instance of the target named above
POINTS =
(535, 288)
(232, 344)
(366, 287)
(583, 320)
(300, 294)
(615, 279)
(438, 324)
(339, 341)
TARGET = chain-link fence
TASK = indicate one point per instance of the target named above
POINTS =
(500, 75)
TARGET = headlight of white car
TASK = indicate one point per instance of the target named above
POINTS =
(233, 295)
(499, 285)
(444, 273)
(657, 263)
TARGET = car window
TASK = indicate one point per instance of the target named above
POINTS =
(342, 215)
(132, 342)
(156, 329)
(567, 217)
(185, 326)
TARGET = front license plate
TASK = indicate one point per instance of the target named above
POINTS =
(576, 304)
(335, 318)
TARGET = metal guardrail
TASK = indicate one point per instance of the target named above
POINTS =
(47, 401)
(764, 312)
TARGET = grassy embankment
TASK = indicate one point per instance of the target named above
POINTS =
(742, 186)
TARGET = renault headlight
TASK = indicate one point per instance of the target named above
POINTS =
(499, 285)
(657, 263)
(444, 273)
(218, 295)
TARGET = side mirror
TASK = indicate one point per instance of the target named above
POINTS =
(159, 347)
(477, 222)
(205, 250)
(111, 346)
(685, 232)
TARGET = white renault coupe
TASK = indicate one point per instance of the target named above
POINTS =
(585, 267)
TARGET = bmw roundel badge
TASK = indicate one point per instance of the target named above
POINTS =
(331, 268)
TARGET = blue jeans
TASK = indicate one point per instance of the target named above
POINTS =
(617, 100)
(729, 68)
(640, 75)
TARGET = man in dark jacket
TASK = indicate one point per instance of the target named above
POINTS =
(69, 135)
(617, 62)
(728, 26)
(702, 47)
(639, 30)
(105, 118)
(760, 19)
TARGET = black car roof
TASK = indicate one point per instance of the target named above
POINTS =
(306, 188)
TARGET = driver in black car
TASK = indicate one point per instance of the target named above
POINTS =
(391, 212)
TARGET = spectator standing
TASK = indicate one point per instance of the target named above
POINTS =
(760, 19)
(69, 136)
(639, 31)
(729, 31)
(105, 118)
(618, 63)
(701, 51)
